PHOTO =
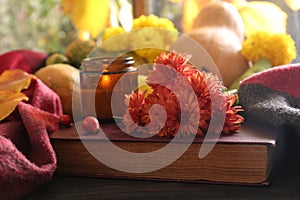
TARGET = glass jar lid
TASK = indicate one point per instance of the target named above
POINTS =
(108, 65)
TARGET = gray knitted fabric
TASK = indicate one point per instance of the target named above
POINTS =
(273, 96)
(276, 108)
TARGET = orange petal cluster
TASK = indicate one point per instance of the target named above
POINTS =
(167, 79)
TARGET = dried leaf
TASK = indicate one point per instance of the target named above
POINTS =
(263, 16)
(293, 4)
(12, 82)
(87, 15)
(15, 80)
(8, 102)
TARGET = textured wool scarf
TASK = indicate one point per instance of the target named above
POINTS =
(24, 59)
(273, 96)
(27, 159)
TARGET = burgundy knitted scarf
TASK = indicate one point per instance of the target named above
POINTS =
(27, 159)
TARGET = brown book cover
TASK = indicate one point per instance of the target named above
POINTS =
(245, 157)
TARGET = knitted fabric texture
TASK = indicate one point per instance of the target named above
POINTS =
(24, 59)
(27, 157)
(273, 96)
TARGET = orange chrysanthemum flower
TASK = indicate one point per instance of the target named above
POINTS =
(169, 102)
(207, 87)
(232, 120)
(185, 94)
(180, 62)
(136, 115)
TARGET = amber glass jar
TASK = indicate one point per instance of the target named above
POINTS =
(104, 83)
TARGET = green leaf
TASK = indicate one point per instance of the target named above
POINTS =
(259, 66)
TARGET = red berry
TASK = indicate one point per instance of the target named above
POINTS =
(65, 120)
(91, 124)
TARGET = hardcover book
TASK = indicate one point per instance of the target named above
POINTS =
(245, 157)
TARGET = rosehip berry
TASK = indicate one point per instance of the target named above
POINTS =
(65, 120)
(91, 124)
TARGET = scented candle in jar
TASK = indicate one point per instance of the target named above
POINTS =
(104, 83)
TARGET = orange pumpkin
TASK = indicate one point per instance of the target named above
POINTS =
(191, 8)
(221, 14)
(221, 44)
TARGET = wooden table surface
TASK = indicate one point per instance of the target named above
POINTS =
(285, 184)
(91, 188)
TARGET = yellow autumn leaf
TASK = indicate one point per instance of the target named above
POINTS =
(15, 80)
(263, 16)
(8, 102)
(239, 3)
(293, 4)
(88, 16)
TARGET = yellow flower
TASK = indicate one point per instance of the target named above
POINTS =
(156, 22)
(152, 21)
(114, 39)
(278, 48)
(112, 31)
(151, 35)
(285, 48)
(147, 43)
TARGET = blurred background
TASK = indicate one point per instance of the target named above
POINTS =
(37, 25)
(49, 26)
